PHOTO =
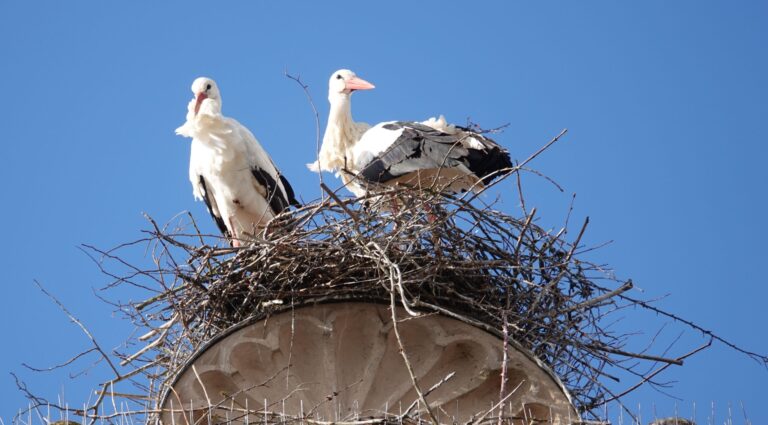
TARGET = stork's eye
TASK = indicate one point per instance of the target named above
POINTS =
(338, 76)
(208, 87)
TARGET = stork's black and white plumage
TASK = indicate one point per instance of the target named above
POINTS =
(431, 154)
(229, 169)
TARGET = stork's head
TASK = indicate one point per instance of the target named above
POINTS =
(343, 82)
(207, 96)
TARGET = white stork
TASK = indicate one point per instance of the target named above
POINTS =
(229, 169)
(432, 153)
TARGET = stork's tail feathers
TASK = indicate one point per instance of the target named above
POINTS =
(490, 164)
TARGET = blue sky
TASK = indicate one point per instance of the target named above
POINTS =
(665, 102)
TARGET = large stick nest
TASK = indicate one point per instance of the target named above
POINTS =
(435, 253)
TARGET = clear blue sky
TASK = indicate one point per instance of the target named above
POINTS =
(666, 105)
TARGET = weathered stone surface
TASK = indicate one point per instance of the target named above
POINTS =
(342, 362)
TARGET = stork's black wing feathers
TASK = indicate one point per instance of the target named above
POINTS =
(421, 147)
(377, 171)
(219, 221)
(290, 195)
(417, 147)
(278, 201)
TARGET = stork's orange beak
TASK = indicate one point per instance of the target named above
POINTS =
(200, 98)
(355, 83)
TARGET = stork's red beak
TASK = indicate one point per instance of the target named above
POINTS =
(355, 83)
(200, 98)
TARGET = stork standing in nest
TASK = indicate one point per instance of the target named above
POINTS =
(431, 154)
(229, 169)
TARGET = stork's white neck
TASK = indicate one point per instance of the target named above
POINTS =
(339, 135)
(341, 113)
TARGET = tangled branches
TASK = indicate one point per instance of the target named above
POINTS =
(505, 275)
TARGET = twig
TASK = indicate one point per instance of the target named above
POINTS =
(657, 371)
(340, 203)
(542, 149)
(393, 309)
(445, 379)
(202, 385)
(59, 366)
(760, 358)
(305, 87)
(85, 330)
(496, 406)
(597, 300)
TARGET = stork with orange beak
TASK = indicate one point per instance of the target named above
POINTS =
(431, 154)
(229, 170)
